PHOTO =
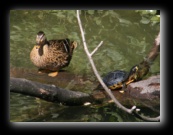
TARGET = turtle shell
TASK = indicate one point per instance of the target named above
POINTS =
(115, 79)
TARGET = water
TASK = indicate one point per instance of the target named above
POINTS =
(127, 39)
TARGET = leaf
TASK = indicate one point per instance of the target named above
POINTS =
(55, 115)
(16, 27)
(91, 12)
(98, 22)
(145, 20)
(153, 12)
(155, 18)
(124, 21)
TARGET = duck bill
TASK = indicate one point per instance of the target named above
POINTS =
(38, 39)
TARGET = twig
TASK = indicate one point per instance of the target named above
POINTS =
(95, 70)
(96, 48)
(157, 40)
(155, 119)
(89, 55)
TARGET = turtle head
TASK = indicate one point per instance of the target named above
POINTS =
(133, 74)
(41, 38)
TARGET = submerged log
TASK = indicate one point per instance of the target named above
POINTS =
(145, 92)
(65, 79)
(41, 86)
(148, 89)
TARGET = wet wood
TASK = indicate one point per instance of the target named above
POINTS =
(70, 88)
(146, 89)
(48, 92)
(65, 79)
(144, 93)
(155, 50)
(77, 83)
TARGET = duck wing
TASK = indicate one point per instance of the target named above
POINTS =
(66, 44)
(61, 44)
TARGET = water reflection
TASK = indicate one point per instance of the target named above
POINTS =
(126, 41)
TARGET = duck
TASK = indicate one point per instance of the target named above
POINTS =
(51, 55)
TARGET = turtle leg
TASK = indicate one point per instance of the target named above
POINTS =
(53, 74)
(124, 85)
(123, 88)
(130, 81)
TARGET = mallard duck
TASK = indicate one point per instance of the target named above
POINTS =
(51, 55)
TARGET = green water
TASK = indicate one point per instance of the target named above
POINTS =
(127, 38)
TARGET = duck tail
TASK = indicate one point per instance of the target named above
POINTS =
(74, 44)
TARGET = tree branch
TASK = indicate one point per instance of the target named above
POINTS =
(89, 55)
(48, 92)
(155, 119)
(154, 50)
(95, 70)
(96, 48)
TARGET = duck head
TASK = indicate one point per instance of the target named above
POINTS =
(41, 38)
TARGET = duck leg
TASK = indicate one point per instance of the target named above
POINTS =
(53, 74)
(40, 71)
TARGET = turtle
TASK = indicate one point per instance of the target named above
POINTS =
(119, 78)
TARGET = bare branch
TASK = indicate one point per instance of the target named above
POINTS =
(154, 52)
(96, 48)
(95, 70)
(157, 40)
(155, 119)
(82, 34)
(89, 55)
